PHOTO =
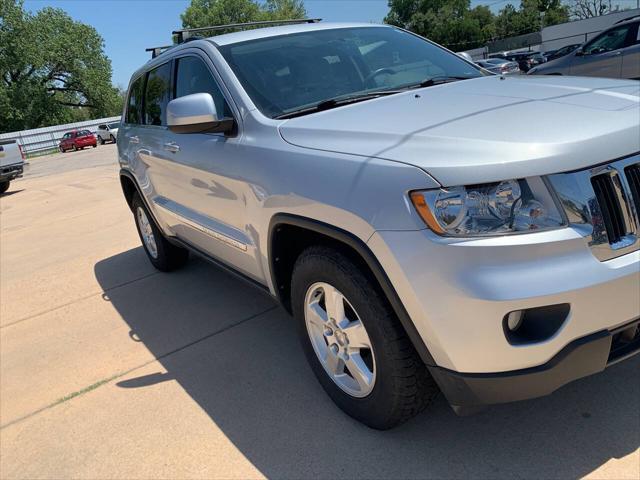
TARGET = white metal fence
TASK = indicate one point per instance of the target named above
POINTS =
(38, 141)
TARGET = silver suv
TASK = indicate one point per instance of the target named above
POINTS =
(431, 228)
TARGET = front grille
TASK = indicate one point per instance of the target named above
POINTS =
(612, 214)
(633, 177)
(603, 203)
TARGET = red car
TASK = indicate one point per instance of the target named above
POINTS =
(77, 140)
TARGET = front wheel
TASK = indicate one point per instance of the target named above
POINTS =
(101, 140)
(4, 186)
(354, 342)
(112, 138)
(163, 255)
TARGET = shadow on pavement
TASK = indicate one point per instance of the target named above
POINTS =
(236, 354)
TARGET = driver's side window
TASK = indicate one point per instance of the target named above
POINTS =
(608, 41)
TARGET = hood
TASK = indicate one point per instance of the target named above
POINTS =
(485, 129)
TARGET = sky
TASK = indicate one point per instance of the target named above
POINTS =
(130, 26)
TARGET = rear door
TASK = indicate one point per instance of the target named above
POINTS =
(602, 56)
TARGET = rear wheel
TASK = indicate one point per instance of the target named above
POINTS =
(75, 147)
(4, 186)
(101, 140)
(162, 254)
(354, 343)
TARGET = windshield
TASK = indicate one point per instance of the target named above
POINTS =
(113, 126)
(290, 72)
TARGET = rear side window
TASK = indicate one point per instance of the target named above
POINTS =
(134, 104)
(157, 95)
(193, 76)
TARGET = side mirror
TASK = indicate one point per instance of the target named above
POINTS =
(196, 113)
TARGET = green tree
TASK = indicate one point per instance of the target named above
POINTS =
(52, 69)
(531, 17)
(449, 22)
(203, 13)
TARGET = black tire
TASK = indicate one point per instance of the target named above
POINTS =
(112, 138)
(4, 186)
(62, 150)
(75, 147)
(169, 257)
(403, 386)
(101, 140)
(94, 146)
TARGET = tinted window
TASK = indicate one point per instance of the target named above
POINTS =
(157, 95)
(611, 40)
(102, 127)
(290, 72)
(134, 104)
(193, 76)
(114, 125)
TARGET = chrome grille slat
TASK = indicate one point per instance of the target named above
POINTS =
(633, 178)
(602, 203)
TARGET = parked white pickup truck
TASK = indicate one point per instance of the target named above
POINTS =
(12, 163)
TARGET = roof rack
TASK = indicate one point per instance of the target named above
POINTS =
(155, 51)
(184, 34)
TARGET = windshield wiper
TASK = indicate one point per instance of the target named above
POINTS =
(335, 102)
(438, 80)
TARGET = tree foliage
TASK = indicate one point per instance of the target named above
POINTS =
(203, 13)
(52, 69)
(456, 25)
(581, 9)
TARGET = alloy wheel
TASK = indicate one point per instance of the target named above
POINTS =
(340, 340)
(147, 232)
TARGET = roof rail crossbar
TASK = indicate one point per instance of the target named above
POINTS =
(628, 18)
(184, 34)
(155, 51)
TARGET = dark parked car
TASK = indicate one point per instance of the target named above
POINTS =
(500, 66)
(77, 140)
(614, 53)
(525, 60)
(561, 52)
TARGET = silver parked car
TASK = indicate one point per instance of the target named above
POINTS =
(429, 226)
(614, 53)
(500, 66)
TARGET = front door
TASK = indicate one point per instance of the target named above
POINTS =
(198, 177)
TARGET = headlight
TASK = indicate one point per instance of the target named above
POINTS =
(511, 206)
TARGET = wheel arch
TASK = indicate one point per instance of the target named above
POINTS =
(290, 234)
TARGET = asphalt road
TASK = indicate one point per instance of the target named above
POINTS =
(109, 369)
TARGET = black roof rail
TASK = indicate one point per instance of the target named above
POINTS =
(184, 34)
(628, 18)
(155, 51)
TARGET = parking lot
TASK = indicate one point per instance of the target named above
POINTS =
(110, 369)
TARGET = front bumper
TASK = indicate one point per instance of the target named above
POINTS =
(11, 172)
(458, 292)
(585, 356)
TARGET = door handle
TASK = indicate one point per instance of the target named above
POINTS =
(134, 139)
(172, 147)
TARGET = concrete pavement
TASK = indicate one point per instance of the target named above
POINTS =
(109, 369)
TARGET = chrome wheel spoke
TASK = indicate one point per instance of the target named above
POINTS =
(334, 303)
(357, 335)
(333, 363)
(146, 232)
(359, 371)
(316, 315)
